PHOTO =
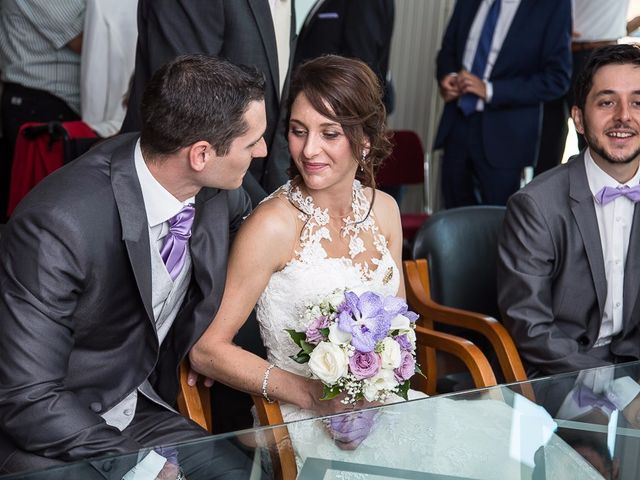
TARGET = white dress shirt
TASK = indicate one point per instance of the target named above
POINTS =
(598, 20)
(614, 223)
(508, 10)
(281, 16)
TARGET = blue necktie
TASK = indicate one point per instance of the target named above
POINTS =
(469, 101)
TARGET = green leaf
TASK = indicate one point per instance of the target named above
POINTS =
(403, 390)
(297, 337)
(300, 357)
(324, 332)
(418, 371)
(330, 392)
(307, 347)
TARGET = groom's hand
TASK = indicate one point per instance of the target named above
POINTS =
(192, 379)
(349, 430)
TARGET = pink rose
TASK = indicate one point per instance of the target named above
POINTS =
(364, 364)
(313, 330)
(407, 367)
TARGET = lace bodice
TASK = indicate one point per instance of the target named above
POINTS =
(312, 274)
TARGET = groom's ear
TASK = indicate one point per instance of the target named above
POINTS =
(200, 153)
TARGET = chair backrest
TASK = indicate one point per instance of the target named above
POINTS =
(461, 247)
(405, 165)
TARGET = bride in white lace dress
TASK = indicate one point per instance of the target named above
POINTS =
(327, 229)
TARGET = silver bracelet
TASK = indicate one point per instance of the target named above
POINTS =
(265, 383)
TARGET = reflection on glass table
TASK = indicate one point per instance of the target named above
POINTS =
(582, 425)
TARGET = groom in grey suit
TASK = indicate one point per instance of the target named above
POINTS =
(569, 253)
(111, 269)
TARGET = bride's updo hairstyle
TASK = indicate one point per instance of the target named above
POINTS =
(347, 91)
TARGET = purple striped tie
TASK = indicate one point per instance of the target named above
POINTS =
(174, 248)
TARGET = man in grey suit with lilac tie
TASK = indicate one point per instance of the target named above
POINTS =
(569, 252)
(111, 269)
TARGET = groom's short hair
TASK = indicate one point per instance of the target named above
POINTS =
(197, 97)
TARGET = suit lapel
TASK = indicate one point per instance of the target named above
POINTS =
(631, 272)
(135, 230)
(262, 15)
(511, 41)
(585, 216)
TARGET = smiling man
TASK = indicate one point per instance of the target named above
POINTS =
(569, 253)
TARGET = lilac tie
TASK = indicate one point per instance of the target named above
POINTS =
(174, 248)
(608, 194)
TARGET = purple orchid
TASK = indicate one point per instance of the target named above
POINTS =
(394, 306)
(365, 318)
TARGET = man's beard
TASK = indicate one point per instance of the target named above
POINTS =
(594, 145)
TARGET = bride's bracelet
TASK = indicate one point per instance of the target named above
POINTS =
(265, 383)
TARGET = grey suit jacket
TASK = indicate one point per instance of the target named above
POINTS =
(75, 304)
(240, 31)
(551, 278)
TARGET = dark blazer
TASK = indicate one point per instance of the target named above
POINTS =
(533, 66)
(353, 28)
(76, 317)
(240, 31)
(551, 279)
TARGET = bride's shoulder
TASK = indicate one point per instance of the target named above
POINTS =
(274, 217)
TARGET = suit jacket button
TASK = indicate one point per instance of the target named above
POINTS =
(106, 466)
(96, 407)
(583, 340)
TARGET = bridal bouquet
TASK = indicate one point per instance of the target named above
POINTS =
(360, 345)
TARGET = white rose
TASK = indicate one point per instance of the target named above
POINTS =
(384, 380)
(337, 336)
(411, 335)
(400, 322)
(328, 362)
(336, 298)
(390, 356)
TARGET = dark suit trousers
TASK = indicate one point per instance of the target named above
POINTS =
(468, 178)
(152, 426)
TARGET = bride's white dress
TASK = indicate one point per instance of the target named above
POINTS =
(440, 435)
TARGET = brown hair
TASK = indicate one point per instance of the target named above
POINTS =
(347, 91)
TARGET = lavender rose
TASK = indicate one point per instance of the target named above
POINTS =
(407, 367)
(404, 342)
(313, 330)
(364, 364)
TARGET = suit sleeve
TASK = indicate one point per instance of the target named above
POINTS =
(239, 208)
(446, 61)
(526, 265)
(553, 79)
(367, 33)
(43, 271)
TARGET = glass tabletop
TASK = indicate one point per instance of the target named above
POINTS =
(580, 425)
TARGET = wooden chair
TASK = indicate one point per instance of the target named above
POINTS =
(452, 281)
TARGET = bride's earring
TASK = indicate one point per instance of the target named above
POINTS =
(363, 158)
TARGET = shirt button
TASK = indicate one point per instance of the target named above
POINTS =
(618, 219)
(617, 304)
(128, 412)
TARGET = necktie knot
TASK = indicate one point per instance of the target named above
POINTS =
(608, 194)
(174, 247)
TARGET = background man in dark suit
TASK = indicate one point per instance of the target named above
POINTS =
(569, 253)
(499, 60)
(106, 286)
(360, 29)
(258, 33)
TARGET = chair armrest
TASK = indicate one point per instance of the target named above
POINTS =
(471, 356)
(194, 402)
(416, 277)
(282, 457)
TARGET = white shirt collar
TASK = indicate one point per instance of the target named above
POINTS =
(598, 178)
(159, 204)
